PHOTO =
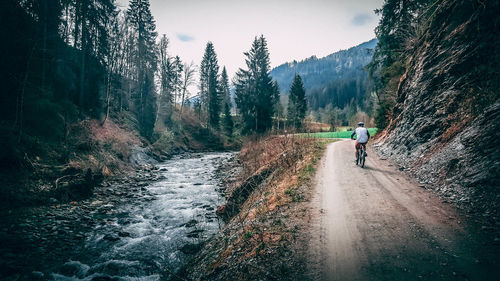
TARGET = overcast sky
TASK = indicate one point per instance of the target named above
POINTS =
(294, 29)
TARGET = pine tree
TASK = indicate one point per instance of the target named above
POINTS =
(396, 29)
(149, 118)
(224, 87)
(91, 32)
(278, 107)
(144, 57)
(165, 98)
(209, 85)
(170, 72)
(297, 104)
(226, 101)
(228, 120)
(255, 94)
(143, 24)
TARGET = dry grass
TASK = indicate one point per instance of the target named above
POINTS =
(285, 151)
(294, 161)
(314, 127)
(103, 149)
(259, 238)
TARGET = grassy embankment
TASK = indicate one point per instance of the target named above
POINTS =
(266, 236)
(342, 134)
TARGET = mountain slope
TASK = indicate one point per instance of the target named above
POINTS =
(337, 78)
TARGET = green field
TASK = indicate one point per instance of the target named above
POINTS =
(336, 135)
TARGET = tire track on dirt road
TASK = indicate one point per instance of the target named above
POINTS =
(377, 224)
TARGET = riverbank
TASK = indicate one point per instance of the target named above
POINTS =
(266, 213)
(37, 171)
(143, 224)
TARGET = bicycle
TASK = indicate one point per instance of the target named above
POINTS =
(361, 154)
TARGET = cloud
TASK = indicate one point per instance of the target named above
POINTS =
(361, 19)
(184, 37)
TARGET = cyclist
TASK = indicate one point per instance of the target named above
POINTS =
(362, 138)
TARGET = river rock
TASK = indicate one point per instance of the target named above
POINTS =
(111, 237)
(37, 275)
(190, 249)
(123, 234)
(104, 278)
(221, 210)
(195, 233)
(191, 223)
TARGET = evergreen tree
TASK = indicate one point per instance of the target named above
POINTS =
(170, 72)
(278, 107)
(209, 85)
(224, 88)
(143, 57)
(396, 30)
(255, 94)
(148, 121)
(91, 35)
(228, 120)
(143, 24)
(48, 14)
(165, 98)
(226, 101)
(297, 104)
(176, 77)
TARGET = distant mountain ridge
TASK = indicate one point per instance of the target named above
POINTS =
(337, 78)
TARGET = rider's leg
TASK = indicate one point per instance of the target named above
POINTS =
(356, 145)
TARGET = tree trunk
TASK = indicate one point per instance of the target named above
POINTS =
(182, 101)
(77, 19)
(20, 100)
(256, 121)
(44, 47)
(82, 81)
(108, 97)
(82, 69)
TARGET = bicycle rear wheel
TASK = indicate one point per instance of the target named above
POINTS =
(362, 158)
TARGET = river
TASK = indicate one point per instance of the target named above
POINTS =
(143, 227)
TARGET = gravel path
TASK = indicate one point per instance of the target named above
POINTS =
(377, 224)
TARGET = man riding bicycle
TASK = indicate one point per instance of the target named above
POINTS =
(362, 138)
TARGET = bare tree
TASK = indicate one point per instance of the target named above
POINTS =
(187, 80)
(165, 100)
(112, 58)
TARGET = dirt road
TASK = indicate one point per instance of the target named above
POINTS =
(377, 224)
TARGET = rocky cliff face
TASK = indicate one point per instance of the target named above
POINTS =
(446, 124)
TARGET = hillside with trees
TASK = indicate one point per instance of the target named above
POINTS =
(122, 160)
(336, 80)
(88, 85)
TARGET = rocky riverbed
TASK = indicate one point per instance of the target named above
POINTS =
(140, 226)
